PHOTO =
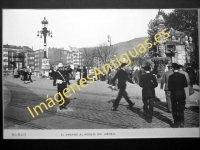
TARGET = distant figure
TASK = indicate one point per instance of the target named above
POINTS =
(68, 72)
(191, 73)
(84, 72)
(148, 83)
(16, 73)
(122, 77)
(25, 75)
(78, 71)
(176, 84)
(29, 73)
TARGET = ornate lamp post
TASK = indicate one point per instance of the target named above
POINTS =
(45, 32)
(109, 39)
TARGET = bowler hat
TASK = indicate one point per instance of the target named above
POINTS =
(123, 64)
(175, 66)
(147, 68)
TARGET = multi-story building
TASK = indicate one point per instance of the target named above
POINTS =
(39, 54)
(76, 56)
(17, 56)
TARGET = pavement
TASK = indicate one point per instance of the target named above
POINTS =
(89, 107)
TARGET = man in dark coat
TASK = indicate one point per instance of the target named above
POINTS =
(148, 83)
(122, 77)
(84, 73)
(79, 71)
(191, 73)
(176, 84)
(68, 70)
(60, 80)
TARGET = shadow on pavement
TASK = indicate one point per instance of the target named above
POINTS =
(21, 98)
(194, 108)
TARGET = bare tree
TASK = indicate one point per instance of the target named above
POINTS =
(88, 56)
(105, 52)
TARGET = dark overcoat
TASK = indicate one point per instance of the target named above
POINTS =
(148, 83)
(122, 77)
(176, 84)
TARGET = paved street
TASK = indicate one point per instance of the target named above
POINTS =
(89, 108)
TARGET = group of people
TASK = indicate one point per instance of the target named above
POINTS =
(177, 83)
(175, 79)
(24, 73)
(178, 88)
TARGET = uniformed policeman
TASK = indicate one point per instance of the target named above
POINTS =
(176, 84)
(60, 81)
(148, 83)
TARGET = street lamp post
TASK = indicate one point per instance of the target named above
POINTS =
(109, 39)
(45, 32)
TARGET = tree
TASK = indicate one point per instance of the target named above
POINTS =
(105, 52)
(185, 21)
(153, 26)
(88, 56)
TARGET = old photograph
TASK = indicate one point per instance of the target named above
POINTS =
(100, 73)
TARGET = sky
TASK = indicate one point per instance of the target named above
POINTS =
(75, 27)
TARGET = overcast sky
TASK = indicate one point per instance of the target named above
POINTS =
(75, 27)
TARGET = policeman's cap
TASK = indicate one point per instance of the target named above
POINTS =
(60, 65)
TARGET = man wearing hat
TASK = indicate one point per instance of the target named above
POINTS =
(188, 81)
(164, 80)
(148, 83)
(176, 84)
(60, 80)
(122, 77)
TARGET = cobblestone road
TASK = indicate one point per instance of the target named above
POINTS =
(86, 110)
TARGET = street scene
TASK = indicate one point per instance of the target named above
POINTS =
(89, 78)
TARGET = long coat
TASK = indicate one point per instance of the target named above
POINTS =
(165, 79)
(85, 73)
(122, 77)
(191, 74)
(188, 81)
(16, 72)
(148, 83)
(176, 84)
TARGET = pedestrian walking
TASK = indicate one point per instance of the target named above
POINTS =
(176, 84)
(148, 83)
(164, 81)
(60, 81)
(188, 82)
(69, 72)
(78, 73)
(25, 75)
(122, 77)
(191, 73)
(85, 73)
(29, 73)
(16, 72)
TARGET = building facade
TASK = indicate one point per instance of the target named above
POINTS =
(17, 56)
